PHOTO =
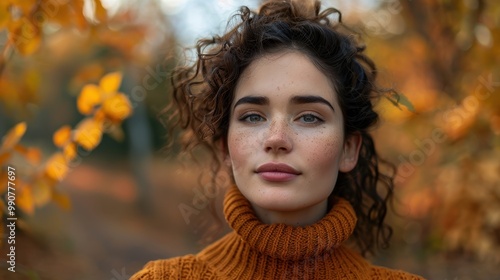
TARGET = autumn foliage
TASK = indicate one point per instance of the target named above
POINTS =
(443, 56)
(442, 130)
(102, 105)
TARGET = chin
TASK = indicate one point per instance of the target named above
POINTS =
(282, 201)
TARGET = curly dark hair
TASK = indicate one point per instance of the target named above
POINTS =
(204, 91)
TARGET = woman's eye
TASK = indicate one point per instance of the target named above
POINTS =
(252, 118)
(310, 118)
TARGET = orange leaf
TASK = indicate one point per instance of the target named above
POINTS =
(117, 108)
(69, 151)
(25, 200)
(495, 124)
(25, 35)
(78, 18)
(100, 12)
(42, 191)
(62, 200)
(4, 157)
(62, 136)
(32, 79)
(28, 47)
(12, 137)
(33, 155)
(64, 15)
(4, 179)
(4, 13)
(25, 6)
(88, 133)
(89, 97)
(100, 115)
(116, 132)
(56, 167)
(90, 72)
(2, 209)
(111, 82)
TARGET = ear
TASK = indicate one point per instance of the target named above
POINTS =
(350, 154)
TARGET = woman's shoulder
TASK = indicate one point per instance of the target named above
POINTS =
(174, 268)
(379, 272)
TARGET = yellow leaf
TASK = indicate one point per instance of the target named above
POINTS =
(62, 200)
(4, 14)
(69, 151)
(111, 82)
(89, 97)
(33, 155)
(12, 137)
(100, 115)
(56, 167)
(117, 108)
(62, 136)
(25, 200)
(88, 133)
(42, 191)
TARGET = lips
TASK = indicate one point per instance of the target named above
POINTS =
(277, 172)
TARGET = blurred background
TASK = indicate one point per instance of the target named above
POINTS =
(83, 84)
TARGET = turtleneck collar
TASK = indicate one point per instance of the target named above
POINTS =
(288, 242)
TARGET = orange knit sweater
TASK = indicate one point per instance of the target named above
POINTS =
(274, 251)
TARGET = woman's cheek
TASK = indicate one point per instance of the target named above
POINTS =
(325, 151)
(241, 145)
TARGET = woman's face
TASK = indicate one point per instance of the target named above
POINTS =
(286, 142)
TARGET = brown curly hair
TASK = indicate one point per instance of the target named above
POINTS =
(204, 91)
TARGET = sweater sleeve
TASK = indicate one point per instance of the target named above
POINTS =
(186, 267)
(383, 273)
(159, 269)
(150, 271)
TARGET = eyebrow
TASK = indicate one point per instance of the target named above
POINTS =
(257, 100)
(298, 99)
(303, 99)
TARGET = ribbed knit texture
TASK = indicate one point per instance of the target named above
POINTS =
(275, 251)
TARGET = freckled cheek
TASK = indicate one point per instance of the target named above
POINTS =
(241, 146)
(324, 151)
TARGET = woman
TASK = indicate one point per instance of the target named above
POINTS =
(284, 100)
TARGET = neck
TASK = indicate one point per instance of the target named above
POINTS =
(278, 251)
(300, 217)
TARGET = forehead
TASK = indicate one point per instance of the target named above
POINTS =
(286, 72)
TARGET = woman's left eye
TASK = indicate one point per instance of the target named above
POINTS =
(310, 118)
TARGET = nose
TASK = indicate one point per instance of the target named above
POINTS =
(278, 138)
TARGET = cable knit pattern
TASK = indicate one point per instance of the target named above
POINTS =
(275, 251)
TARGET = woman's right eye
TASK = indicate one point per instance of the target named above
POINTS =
(252, 118)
